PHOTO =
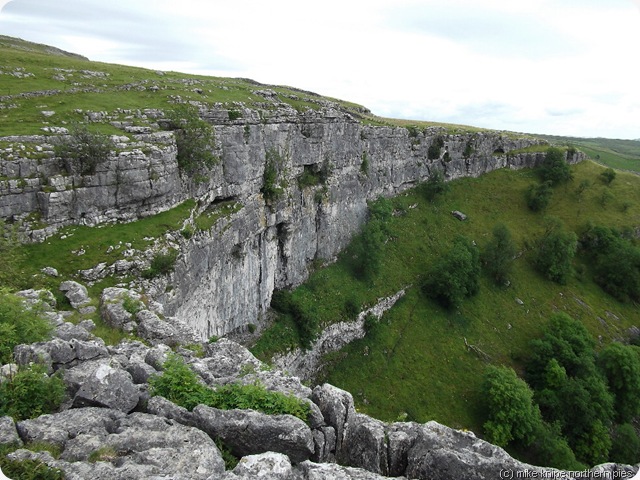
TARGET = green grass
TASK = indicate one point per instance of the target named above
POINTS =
(615, 153)
(210, 217)
(415, 363)
(95, 241)
(119, 87)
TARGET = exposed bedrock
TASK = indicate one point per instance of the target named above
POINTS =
(328, 166)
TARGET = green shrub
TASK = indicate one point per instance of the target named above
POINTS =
(435, 185)
(234, 114)
(179, 384)
(366, 248)
(370, 321)
(19, 324)
(195, 139)
(83, 150)
(230, 460)
(305, 315)
(31, 393)
(606, 197)
(413, 130)
(582, 187)
(271, 188)
(351, 307)
(468, 150)
(539, 196)
(554, 252)
(550, 448)
(364, 166)
(498, 254)
(615, 260)
(608, 176)
(433, 153)
(510, 410)
(569, 389)
(161, 264)
(554, 168)
(625, 445)
(132, 305)
(455, 276)
(621, 367)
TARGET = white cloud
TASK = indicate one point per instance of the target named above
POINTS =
(549, 66)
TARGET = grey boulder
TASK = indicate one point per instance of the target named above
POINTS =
(247, 432)
(108, 387)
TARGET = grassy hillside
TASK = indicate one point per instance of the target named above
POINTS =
(619, 154)
(414, 364)
(36, 79)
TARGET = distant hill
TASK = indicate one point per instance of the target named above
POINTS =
(19, 44)
(616, 153)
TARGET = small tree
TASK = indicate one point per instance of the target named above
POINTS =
(554, 253)
(621, 367)
(433, 153)
(366, 249)
(555, 168)
(498, 254)
(455, 276)
(608, 176)
(194, 138)
(539, 196)
(511, 412)
(83, 150)
(435, 185)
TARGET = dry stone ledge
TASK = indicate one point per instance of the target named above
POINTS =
(247, 432)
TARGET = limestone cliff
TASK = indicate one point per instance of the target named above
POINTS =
(327, 166)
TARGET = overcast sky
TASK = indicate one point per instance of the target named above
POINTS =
(565, 67)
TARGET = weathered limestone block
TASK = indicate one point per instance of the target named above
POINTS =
(271, 465)
(110, 388)
(8, 433)
(339, 413)
(58, 428)
(76, 293)
(247, 432)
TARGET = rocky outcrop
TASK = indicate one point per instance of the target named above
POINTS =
(98, 443)
(329, 165)
(111, 428)
(247, 432)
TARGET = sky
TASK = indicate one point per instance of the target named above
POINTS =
(562, 67)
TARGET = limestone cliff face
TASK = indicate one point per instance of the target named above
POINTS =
(327, 166)
(226, 277)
